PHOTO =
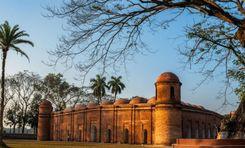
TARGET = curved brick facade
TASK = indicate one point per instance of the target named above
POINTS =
(158, 121)
(44, 121)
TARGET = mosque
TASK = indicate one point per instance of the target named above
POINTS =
(159, 120)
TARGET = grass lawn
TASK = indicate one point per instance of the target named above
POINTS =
(55, 144)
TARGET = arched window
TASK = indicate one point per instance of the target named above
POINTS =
(93, 134)
(108, 136)
(203, 130)
(188, 129)
(125, 136)
(144, 136)
(80, 135)
(172, 93)
(208, 132)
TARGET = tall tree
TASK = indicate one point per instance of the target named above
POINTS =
(56, 89)
(10, 38)
(13, 115)
(99, 86)
(116, 85)
(24, 85)
(33, 112)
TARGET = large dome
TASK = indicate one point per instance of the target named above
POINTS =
(167, 77)
(137, 100)
(152, 100)
(92, 105)
(46, 103)
(121, 101)
(80, 106)
(106, 102)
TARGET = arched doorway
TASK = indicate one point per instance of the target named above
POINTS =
(144, 136)
(125, 136)
(93, 134)
(108, 136)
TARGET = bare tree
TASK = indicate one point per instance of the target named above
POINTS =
(109, 31)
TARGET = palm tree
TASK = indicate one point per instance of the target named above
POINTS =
(10, 37)
(98, 86)
(116, 86)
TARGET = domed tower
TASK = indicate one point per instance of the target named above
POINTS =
(44, 121)
(168, 88)
(168, 109)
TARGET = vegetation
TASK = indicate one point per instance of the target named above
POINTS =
(116, 86)
(10, 38)
(13, 116)
(25, 90)
(99, 86)
(56, 89)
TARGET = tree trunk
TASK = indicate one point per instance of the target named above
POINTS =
(115, 97)
(23, 127)
(2, 96)
(14, 128)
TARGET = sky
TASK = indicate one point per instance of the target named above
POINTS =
(140, 74)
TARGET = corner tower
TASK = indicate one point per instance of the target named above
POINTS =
(168, 88)
(44, 121)
(168, 116)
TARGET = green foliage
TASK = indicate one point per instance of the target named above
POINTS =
(13, 115)
(56, 89)
(228, 124)
(10, 37)
(98, 86)
(115, 85)
(239, 76)
(33, 112)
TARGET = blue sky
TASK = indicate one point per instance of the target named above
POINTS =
(141, 73)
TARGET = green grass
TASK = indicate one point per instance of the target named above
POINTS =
(55, 144)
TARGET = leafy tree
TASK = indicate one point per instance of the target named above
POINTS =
(13, 115)
(10, 38)
(239, 75)
(24, 85)
(116, 85)
(33, 112)
(99, 86)
(56, 89)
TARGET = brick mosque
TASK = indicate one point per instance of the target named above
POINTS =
(159, 120)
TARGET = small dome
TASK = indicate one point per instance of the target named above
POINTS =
(106, 102)
(92, 104)
(167, 77)
(137, 100)
(152, 100)
(68, 109)
(46, 103)
(121, 101)
(80, 106)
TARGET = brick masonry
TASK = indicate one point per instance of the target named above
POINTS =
(158, 120)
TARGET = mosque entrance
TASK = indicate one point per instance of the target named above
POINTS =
(108, 136)
(93, 134)
(125, 136)
(144, 137)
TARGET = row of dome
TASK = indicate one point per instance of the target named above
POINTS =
(135, 100)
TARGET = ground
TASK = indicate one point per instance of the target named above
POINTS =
(55, 144)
